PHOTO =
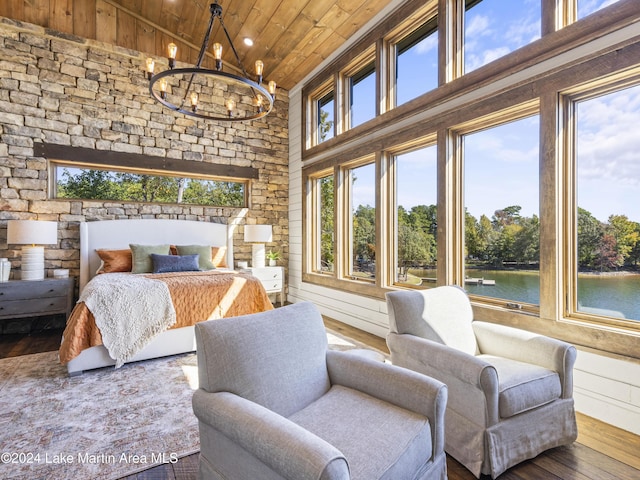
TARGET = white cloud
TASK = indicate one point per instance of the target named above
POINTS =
(476, 61)
(427, 45)
(478, 25)
(588, 7)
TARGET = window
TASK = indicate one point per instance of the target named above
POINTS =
(535, 201)
(362, 95)
(324, 258)
(416, 217)
(361, 195)
(607, 204)
(325, 120)
(501, 202)
(493, 28)
(91, 183)
(416, 65)
(587, 7)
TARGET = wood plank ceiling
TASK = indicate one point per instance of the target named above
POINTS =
(291, 37)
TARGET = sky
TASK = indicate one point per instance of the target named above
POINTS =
(502, 163)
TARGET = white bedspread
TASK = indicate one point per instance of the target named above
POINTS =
(128, 320)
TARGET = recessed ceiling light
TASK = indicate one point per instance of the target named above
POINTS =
(248, 42)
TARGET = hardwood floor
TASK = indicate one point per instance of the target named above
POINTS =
(602, 452)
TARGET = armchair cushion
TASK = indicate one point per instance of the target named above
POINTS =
(252, 366)
(361, 424)
(523, 386)
(429, 315)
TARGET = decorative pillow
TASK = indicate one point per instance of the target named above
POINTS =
(141, 256)
(219, 256)
(174, 263)
(203, 251)
(114, 260)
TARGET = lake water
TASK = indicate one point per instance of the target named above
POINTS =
(608, 295)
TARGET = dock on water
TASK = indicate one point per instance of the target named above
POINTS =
(479, 281)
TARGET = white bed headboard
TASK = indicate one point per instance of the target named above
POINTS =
(118, 234)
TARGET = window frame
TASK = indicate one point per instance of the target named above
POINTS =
(344, 215)
(315, 237)
(428, 23)
(390, 158)
(457, 133)
(313, 112)
(360, 69)
(59, 155)
(568, 100)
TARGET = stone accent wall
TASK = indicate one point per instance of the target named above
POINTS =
(66, 90)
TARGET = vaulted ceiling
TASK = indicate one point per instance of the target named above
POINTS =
(291, 37)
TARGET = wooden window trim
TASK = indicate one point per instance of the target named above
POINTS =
(134, 161)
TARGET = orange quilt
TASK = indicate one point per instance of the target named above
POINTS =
(196, 296)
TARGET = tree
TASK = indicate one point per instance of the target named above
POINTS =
(324, 126)
(626, 235)
(327, 215)
(87, 184)
(364, 235)
(607, 257)
(590, 232)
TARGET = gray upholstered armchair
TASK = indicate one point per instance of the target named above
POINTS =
(510, 391)
(275, 403)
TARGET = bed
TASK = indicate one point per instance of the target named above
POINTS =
(118, 234)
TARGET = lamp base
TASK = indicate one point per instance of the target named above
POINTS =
(32, 263)
(258, 255)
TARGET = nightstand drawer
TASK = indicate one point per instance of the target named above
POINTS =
(272, 279)
(34, 298)
(272, 285)
(35, 307)
(268, 274)
(33, 289)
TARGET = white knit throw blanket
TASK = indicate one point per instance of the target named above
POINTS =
(130, 310)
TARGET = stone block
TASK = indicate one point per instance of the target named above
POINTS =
(51, 207)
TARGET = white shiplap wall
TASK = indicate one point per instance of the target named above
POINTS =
(604, 388)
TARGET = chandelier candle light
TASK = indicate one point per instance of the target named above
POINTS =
(192, 88)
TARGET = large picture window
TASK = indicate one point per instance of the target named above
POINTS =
(607, 205)
(501, 202)
(91, 183)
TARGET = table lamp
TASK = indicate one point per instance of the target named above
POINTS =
(258, 235)
(32, 234)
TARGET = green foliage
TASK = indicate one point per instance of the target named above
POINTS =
(327, 223)
(325, 126)
(272, 255)
(121, 186)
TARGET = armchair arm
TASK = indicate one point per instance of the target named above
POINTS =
(287, 448)
(458, 370)
(529, 347)
(398, 386)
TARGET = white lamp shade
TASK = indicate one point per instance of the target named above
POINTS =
(257, 233)
(32, 232)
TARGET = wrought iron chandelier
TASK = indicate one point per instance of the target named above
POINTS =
(211, 94)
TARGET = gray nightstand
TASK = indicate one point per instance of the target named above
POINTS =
(35, 298)
(272, 278)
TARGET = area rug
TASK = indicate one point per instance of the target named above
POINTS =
(104, 424)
